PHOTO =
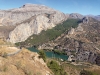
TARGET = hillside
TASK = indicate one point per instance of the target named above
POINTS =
(22, 63)
(27, 20)
(50, 34)
(47, 29)
(82, 42)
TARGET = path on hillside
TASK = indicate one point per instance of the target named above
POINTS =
(10, 54)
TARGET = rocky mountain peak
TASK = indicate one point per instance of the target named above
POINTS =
(76, 16)
(34, 7)
(28, 20)
(88, 20)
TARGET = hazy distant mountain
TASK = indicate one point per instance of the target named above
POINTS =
(76, 16)
(79, 16)
(96, 17)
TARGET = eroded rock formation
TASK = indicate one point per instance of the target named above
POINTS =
(83, 42)
(29, 19)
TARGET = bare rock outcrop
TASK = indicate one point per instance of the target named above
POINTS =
(25, 12)
(76, 16)
(29, 19)
(82, 42)
(35, 26)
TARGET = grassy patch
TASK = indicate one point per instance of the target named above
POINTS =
(5, 68)
(85, 72)
(56, 68)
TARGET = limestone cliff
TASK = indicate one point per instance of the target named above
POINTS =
(29, 19)
(33, 26)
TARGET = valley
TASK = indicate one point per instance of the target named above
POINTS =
(39, 40)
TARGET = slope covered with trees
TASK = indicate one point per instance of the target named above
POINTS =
(50, 34)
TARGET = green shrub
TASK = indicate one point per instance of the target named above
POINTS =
(42, 55)
(56, 68)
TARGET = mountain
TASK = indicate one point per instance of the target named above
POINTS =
(44, 28)
(83, 41)
(27, 20)
(76, 16)
(16, 25)
(95, 17)
(79, 16)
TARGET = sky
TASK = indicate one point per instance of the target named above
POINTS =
(84, 7)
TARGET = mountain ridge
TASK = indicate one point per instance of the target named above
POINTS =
(82, 42)
(44, 28)
(17, 17)
(33, 16)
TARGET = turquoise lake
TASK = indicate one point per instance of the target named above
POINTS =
(51, 54)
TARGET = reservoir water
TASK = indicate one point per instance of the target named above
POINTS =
(51, 54)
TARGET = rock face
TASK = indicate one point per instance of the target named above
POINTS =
(83, 42)
(95, 17)
(76, 16)
(29, 19)
(34, 26)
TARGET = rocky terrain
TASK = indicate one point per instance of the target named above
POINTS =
(83, 42)
(27, 20)
(96, 17)
(22, 63)
(16, 25)
(29, 63)
(73, 34)
(76, 16)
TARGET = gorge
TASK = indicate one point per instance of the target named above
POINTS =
(44, 28)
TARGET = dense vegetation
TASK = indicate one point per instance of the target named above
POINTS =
(50, 34)
(56, 68)
(42, 55)
(59, 52)
(52, 64)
